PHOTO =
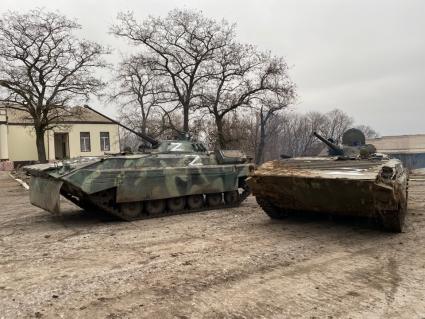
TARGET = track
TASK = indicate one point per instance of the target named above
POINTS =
(106, 203)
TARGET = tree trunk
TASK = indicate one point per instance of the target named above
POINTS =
(41, 149)
(221, 141)
(260, 150)
(186, 118)
(144, 126)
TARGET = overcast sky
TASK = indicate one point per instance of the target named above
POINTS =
(366, 57)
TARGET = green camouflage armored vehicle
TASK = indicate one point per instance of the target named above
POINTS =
(174, 176)
(352, 180)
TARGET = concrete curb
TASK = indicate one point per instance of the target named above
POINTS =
(23, 184)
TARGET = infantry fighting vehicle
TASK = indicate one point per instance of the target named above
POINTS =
(173, 176)
(352, 180)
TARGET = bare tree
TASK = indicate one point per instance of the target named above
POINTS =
(243, 77)
(337, 123)
(183, 44)
(230, 86)
(313, 122)
(276, 93)
(296, 136)
(166, 124)
(332, 125)
(268, 109)
(140, 91)
(161, 125)
(368, 131)
(293, 135)
(239, 131)
(43, 67)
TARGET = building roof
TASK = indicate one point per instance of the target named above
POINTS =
(401, 144)
(79, 115)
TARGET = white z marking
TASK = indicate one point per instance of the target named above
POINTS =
(175, 147)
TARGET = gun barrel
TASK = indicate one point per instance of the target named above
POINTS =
(328, 143)
(148, 138)
(151, 140)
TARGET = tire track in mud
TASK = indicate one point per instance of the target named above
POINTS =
(318, 275)
(205, 285)
(194, 287)
(231, 264)
(386, 285)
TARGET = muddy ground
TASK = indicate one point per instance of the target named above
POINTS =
(233, 263)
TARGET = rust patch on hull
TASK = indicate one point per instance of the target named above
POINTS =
(352, 188)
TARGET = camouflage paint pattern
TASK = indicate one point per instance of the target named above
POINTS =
(176, 168)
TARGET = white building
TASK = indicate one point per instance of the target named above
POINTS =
(88, 134)
(408, 148)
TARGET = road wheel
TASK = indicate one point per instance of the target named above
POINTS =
(214, 199)
(176, 204)
(195, 201)
(131, 210)
(155, 207)
(270, 209)
(231, 197)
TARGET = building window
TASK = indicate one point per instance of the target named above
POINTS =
(104, 141)
(85, 141)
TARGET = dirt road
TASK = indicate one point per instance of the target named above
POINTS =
(234, 263)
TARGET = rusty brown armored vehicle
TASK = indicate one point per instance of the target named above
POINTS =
(352, 180)
(173, 176)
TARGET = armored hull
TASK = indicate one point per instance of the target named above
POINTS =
(178, 176)
(374, 188)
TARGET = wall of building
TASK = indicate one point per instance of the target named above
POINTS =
(411, 161)
(410, 149)
(94, 129)
(21, 141)
(399, 144)
(22, 147)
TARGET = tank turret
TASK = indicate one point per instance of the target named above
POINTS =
(334, 149)
(353, 145)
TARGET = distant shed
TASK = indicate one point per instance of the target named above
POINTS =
(410, 149)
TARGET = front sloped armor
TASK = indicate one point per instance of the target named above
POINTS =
(45, 193)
